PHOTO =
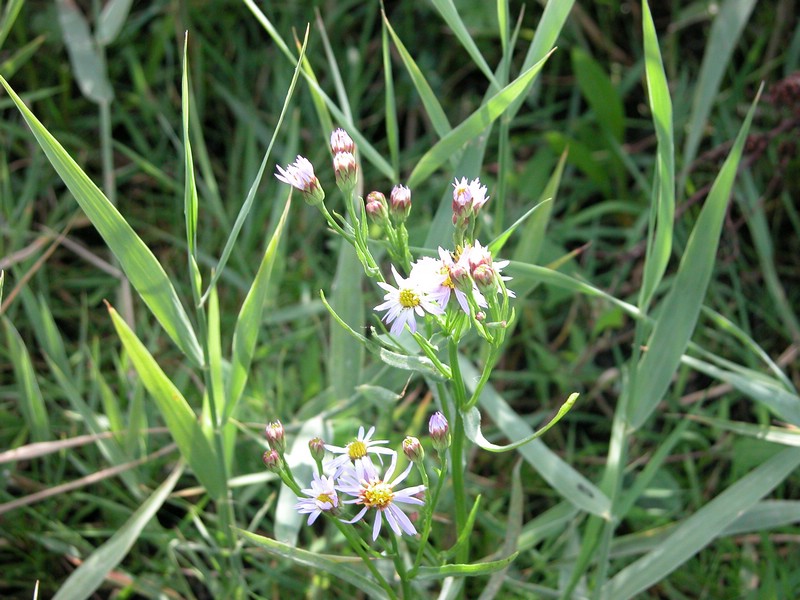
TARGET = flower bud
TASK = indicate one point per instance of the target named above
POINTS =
(400, 202)
(485, 278)
(413, 450)
(272, 460)
(346, 170)
(478, 194)
(300, 175)
(440, 431)
(342, 142)
(275, 436)
(317, 448)
(377, 207)
(462, 199)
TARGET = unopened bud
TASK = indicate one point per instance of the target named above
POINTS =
(377, 207)
(346, 170)
(275, 436)
(400, 202)
(342, 142)
(272, 460)
(317, 448)
(413, 449)
(440, 431)
(485, 278)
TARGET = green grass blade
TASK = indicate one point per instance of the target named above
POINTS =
(697, 531)
(248, 323)
(432, 106)
(599, 93)
(179, 417)
(87, 62)
(111, 20)
(11, 65)
(251, 194)
(681, 307)
(10, 14)
(449, 13)
(573, 486)
(470, 570)
(724, 37)
(472, 126)
(31, 401)
(190, 187)
(345, 353)
(392, 128)
(90, 575)
(140, 265)
(777, 435)
(333, 564)
(662, 207)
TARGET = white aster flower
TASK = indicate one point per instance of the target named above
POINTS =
(300, 175)
(373, 492)
(356, 451)
(321, 497)
(405, 302)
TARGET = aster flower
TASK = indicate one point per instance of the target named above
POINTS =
(405, 302)
(462, 198)
(321, 497)
(441, 278)
(373, 492)
(300, 175)
(478, 195)
(357, 451)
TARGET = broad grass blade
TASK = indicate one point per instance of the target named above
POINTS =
(662, 206)
(333, 564)
(724, 37)
(681, 307)
(248, 323)
(179, 417)
(599, 93)
(472, 126)
(701, 528)
(345, 353)
(31, 401)
(87, 578)
(111, 20)
(87, 63)
(140, 265)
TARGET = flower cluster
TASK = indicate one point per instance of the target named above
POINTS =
(352, 474)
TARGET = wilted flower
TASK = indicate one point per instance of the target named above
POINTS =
(440, 431)
(357, 450)
(341, 142)
(300, 175)
(275, 436)
(370, 490)
(400, 202)
(406, 301)
(322, 497)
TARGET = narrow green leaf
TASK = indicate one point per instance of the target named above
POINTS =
(140, 265)
(251, 194)
(698, 530)
(336, 565)
(450, 14)
(777, 435)
(345, 354)
(31, 401)
(725, 33)
(248, 323)
(472, 427)
(662, 208)
(87, 63)
(190, 188)
(573, 486)
(472, 126)
(681, 307)
(111, 20)
(179, 417)
(90, 575)
(390, 110)
(496, 245)
(429, 100)
(12, 63)
(599, 93)
(10, 14)
(471, 570)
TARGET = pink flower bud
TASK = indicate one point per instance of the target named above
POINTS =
(413, 449)
(346, 169)
(342, 142)
(275, 436)
(400, 202)
(272, 460)
(317, 448)
(377, 207)
(440, 431)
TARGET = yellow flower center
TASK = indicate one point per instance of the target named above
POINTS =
(356, 449)
(447, 281)
(408, 298)
(377, 495)
(323, 497)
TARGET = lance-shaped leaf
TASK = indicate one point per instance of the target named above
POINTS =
(137, 261)
(179, 417)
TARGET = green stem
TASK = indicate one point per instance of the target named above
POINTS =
(401, 568)
(430, 504)
(457, 452)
